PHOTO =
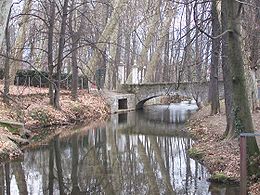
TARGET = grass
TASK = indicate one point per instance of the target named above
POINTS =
(195, 154)
(220, 178)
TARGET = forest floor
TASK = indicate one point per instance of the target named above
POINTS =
(220, 156)
(31, 107)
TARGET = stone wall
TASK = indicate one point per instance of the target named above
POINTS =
(114, 101)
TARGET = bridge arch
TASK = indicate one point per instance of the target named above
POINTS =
(140, 104)
(147, 91)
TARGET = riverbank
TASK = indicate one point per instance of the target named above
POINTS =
(220, 156)
(34, 111)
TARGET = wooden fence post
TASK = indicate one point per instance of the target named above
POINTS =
(243, 165)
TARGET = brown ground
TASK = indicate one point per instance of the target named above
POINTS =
(219, 155)
(32, 107)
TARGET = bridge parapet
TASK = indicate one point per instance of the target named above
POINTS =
(146, 91)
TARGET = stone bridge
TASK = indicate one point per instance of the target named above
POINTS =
(144, 92)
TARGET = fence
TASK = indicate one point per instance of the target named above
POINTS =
(243, 161)
(37, 81)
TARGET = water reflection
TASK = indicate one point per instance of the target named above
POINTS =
(132, 154)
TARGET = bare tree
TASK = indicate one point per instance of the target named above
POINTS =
(241, 112)
(60, 53)
(215, 54)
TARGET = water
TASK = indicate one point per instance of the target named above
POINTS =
(133, 153)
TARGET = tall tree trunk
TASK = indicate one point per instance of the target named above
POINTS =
(166, 64)
(213, 87)
(7, 63)
(227, 77)
(111, 69)
(60, 54)
(188, 49)
(74, 64)
(75, 37)
(127, 53)
(242, 115)
(50, 51)
(117, 57)
(4, 11)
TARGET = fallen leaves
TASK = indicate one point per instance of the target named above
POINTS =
(34, 110)
(220, 155)
(255, 189)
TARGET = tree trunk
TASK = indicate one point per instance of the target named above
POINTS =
(7, 63)
(166, 64)
(117, 57)
(60, 54)
(127, 54)
(213, 89)
(111, 66)
(75, 37)
(242, 115)
(4, 8)
(74, 64)
(227, 77)
(188, 49)
(50, 51)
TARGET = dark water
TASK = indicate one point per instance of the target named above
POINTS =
(134, 153)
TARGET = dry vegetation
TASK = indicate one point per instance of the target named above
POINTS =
(220, 156)
(34, 110)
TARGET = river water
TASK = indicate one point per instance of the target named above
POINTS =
(142, 152)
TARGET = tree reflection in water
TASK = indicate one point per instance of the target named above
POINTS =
(138, 153)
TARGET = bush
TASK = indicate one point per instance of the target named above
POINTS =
(219, 177)
(195, 154)
(40, 116)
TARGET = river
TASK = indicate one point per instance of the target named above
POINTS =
(142, 152)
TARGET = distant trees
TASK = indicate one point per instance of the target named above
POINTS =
(107, 41)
